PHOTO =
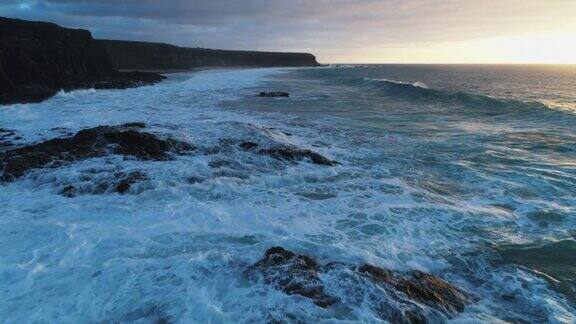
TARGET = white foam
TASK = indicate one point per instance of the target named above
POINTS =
(177, 244)
(420, 84)
(74, 93)
(417, 84)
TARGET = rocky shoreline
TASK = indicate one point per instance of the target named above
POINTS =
(411, 297)
(128, 140)
(38, 59)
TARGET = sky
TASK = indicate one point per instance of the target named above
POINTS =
(336, 31)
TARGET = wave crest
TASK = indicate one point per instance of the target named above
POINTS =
(419, 91)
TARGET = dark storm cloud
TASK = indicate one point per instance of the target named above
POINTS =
(261, 24)
(188, 11)
(326, 27)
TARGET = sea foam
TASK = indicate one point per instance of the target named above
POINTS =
(176, 246)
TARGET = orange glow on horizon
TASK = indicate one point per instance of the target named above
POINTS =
(545, 48)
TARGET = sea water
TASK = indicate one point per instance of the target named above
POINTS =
(466, 172)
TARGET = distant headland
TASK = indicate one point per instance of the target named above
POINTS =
(130, 55)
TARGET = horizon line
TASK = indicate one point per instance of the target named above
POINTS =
(452, 63)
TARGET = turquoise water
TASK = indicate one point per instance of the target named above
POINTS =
(467, 172)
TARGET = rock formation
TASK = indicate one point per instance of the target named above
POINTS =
(128, 55)
(412, 297)
(38, 59)
(265, 94)
(289, 153)
(125, 139)
(293, 274)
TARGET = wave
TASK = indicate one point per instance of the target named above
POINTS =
(419, 91)
(74, 93)
(346, 66)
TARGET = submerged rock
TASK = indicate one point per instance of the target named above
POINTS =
(69, 191)
(126, 183)
(417, 297)
(421, 287)
(289, 153)
(296, 154)
(248, 145)
(265, 94)
(293, 274)
(125, 139)
(98, 183)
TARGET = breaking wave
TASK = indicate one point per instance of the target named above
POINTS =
(419, 91)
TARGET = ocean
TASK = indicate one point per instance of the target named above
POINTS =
(467, 172)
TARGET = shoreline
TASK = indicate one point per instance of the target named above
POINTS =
(32, 70)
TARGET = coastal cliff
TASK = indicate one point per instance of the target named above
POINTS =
(38, 59)
(129, 55)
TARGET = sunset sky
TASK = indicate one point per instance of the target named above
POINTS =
(363, 31)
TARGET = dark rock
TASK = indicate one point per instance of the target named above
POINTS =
(129, 55)
(295, 154)
(290, 153)
(377, 274)
(434, 291)
(142, 145)
(265, 94)
(88, 143)
(124, 185)
(38, 59)
(293, 274)
(421, 287)
(248, 145)
(414, 297)
(96, 183)
(68, 191)
(135, 124)
(193, 180)
(114, 84)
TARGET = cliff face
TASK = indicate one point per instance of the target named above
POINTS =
(128, 55)
(38, 59)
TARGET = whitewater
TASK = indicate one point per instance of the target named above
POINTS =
(453, 172)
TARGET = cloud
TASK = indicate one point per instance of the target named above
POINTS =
(330, 28)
